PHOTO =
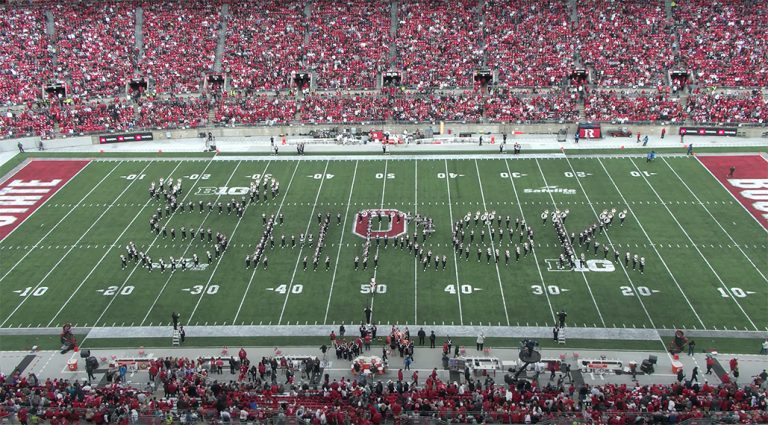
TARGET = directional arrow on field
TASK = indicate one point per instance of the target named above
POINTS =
(186, 289)
(750, 292)
(270, 289)
(565, 289)
(99, 290)
(478, 289)
(18, 291)
(655, 291)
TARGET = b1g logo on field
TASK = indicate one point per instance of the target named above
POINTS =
(553, 265)
(221, 191)
(395, 226)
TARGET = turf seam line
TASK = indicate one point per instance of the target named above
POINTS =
(44, 204)
(533, 251)
(381, 206)
(106, 252)
(455, 261)
(341, 243)
(722, 283)
(93, 224)
(653, 245)
(277, 214)
(301, 248)
(231, 238)
(583, 275)
(493, 245)
(715, 220)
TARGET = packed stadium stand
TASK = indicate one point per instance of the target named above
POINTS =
(64, 63)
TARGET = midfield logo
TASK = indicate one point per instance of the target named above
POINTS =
(551, 189)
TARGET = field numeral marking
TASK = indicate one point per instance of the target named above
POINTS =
(258, 176)
(390, 176)
(320, 176)
(198, 289)
(641, 173)
(295, 289)
(198, 176)
(465, 289)
(112, 290)
(641, 290)
(577, 174)
(449, 175)
(367, 289)
(551, 289)
(515, 175)
(737, 292)
(36, 293)
(134, 176)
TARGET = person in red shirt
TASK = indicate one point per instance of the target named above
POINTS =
(400, 374)
(415, 377)
(733, 364)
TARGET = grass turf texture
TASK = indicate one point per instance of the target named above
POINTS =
(683, 286)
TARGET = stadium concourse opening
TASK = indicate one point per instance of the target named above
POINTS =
(357, 244)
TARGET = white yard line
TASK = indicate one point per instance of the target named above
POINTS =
(535, 257)
(253, 274)
(231, 238)
(301, 248)
(455, 262)
(606, 233)
(738, 246)
(583, 275)
(722, 284)
(732, 195)
(135, 267)
(653, 245)
(106, 252)
(184, 254)
(381, 206)
(415, 261)
(55, 226)
(341, 243)
(493, 245)
(93, 224)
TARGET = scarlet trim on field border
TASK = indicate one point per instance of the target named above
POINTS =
(30, 187)
(749, 183)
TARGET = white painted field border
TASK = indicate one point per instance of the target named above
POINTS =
(341, 242)
(381, 206)
(106, 252)
(493, 245)
(583, 275)
(535, 257)
(653, 245)
(136, 266)
(253, 274)
(455, 261)
(722, 284)
(189, 244)
(301, 248)
(608, 237)
(231, 237)
(93, 224)
(55, 226)
(415, 261)
(729, 192)
(717, 221)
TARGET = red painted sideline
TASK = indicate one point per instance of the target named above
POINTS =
(749, 184)
(30, 187)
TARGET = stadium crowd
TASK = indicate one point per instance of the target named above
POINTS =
(628, 48)
(238, 388)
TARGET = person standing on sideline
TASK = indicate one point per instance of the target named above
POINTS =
(710, 364)
(175, 317)
(21, 147)
(690, 149)
(663, 133)
(422, 336)
(561, 318)
(645, 140)
(691, 347)
(695, 374)
(368, 311)
(734, 364)
(432, 338)
(182, 334)
(342, 330)
(764, 347)
(408, 360)
(480, 341)
(731, 171)
(555, 331)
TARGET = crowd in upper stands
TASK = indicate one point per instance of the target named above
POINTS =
(628, 49)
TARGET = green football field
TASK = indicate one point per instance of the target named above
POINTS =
(705, 255)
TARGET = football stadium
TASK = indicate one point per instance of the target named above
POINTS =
(266, 212)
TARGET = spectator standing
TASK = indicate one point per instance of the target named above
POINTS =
(480, 341)
(422, 336)
(182, 334)
(663, 133)
(432, 338)
(691, 347)
(690, 149)
(21, 147)
(764, 347)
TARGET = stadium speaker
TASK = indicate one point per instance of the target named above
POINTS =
(84, 354)
(652, 359)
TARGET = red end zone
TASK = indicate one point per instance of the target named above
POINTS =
(30, 187)
(749, 183)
